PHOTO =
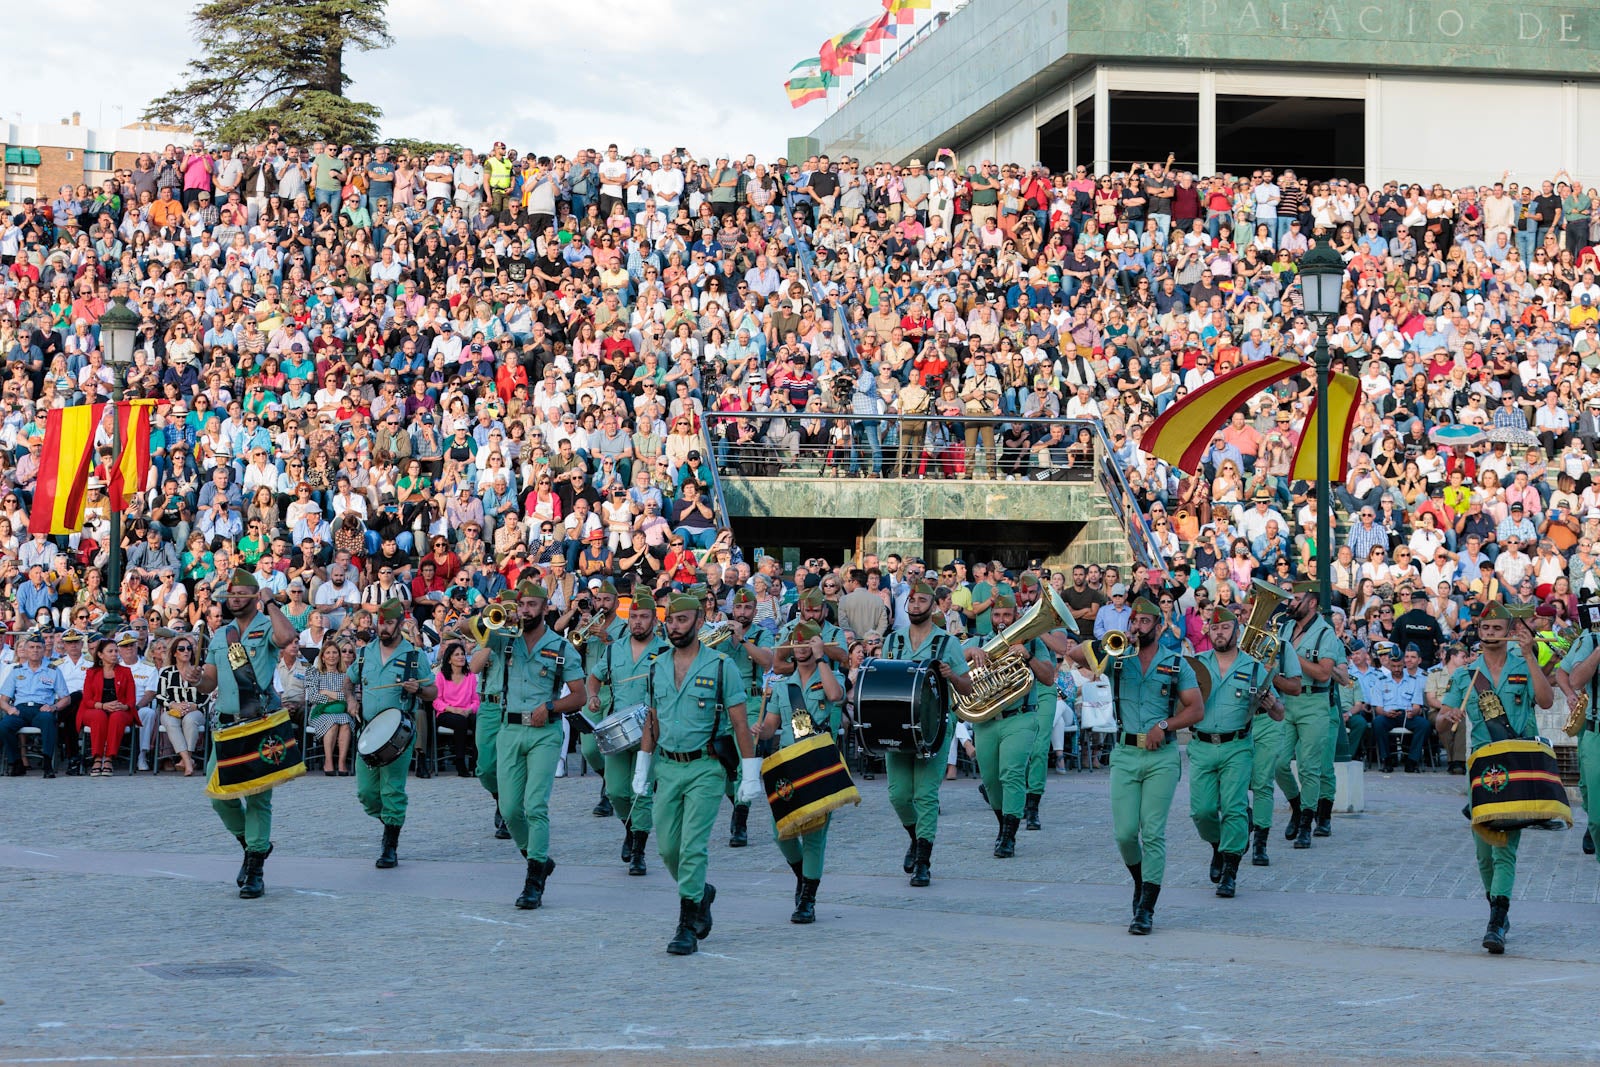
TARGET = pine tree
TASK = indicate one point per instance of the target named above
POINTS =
(277, 61)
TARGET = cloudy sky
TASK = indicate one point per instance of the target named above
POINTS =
(705, 74)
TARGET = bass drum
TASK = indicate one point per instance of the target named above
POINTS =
(901, 706)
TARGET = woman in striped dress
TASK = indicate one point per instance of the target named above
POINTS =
(328, 714)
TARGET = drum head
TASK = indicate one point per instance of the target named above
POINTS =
(377, 732)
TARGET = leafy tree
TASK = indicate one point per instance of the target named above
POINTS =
(277, 61)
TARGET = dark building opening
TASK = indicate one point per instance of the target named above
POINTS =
(1147, 126)
(1320, 138)
(1015, 544)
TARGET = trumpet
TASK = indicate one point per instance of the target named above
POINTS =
(596, 628)
(495, 618)
(716, 634)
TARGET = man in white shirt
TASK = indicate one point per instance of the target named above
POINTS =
(336, 596)
(667, 186)
(437, 176)
(469, 182)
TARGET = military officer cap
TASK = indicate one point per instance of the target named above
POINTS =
(32, 637)
(127, 638)
(643, 602)
(806, 631)
(73, 636)
(1143, 606)
(744, 596)
(1006, 600)
(244, 578)
(682, 602)
(527, 589)
(922, 588)
(1221, 615)
(392, 609)
(812, 598)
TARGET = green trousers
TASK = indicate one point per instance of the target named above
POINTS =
(1497, 864)
(248, 817)
(527, 756)
(1589, 775)
(591, 752)
(1003, 746)
(688, 797)
(1039, 754)
(486, 735)
(1142, 784)
(806, 850)
(914, 784)
(1344, 740)
(1269, 766)
(382, 790)
(633, 811)
(1305, 740)
(1219, 792)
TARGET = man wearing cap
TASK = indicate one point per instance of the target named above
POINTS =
(1307, 716)
(534, 665)
(33, 694)
(491, 700)
(1397, 701)
(1155, 694)
(618, 680)
(1044, 700)
(73, 665)
(145, 675)
(811, 700)
(603, 628)
(1510, 670)
(1004, 741)
(389, 672)
(1115, 615)
(696, 697)
(1220, 750)
(253, 634)
(914, 780)
(1578, 675)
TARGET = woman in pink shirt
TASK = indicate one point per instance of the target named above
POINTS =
(198, 167)
(457, 703)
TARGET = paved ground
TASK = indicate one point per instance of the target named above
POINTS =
(1365, 946)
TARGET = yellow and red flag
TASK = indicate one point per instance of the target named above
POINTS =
(1181, 434)
(1344, 398)
(67, 459)
(127, 478)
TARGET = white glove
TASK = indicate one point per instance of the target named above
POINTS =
(750, 787)
(641, 772)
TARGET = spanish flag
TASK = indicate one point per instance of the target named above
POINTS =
(128, 477)
(1181, 434)
(67, 459)
(1344, 397)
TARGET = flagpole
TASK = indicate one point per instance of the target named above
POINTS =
(117, 329)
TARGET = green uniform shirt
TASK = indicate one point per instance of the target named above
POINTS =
(627, 677)
(594, 652)
(1144, 699)
(761, 637)
(689, 713)
(532, 677)
(1581, 650)
(822, 711)
(1318, 642)
(1514, 688)
(1229, 706)
(1044, 696)
(371, 670)
(257, 641)
(940, 647)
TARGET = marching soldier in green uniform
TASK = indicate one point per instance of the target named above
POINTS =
(752, 649)
(388, 672)
(259, 632)
(1513, 675)
(1155, 694)
(1044, 701)
(696, 699)
(618, 680)
(779, 658)
(816, 692)
(487, 732)
(1307, 719)
(914, 781)
(603, 628)
(1579, 674)
(1268, 763)
(535, 663)
(1220, 749)
(1004, 741)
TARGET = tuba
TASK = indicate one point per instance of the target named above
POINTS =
(1259, 639)
(1007, 676)
(716, 634)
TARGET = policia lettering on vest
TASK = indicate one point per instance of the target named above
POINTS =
(1155, 695)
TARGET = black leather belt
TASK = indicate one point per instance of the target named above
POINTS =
(1591, 724)
(520, 718)
(1137, 740)
(686, 757)
(1023, 710)
(1222, 739)
(1316, 689)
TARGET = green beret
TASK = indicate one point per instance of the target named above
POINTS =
(643, 602)
(922, 588)
(1005, 600)
(1304, 587)
(682, 602)
(1497, 610)
(1143, 606)
(1028, 581)
(244, 578)
(812, 598)
(805, 632)
(1222, 615)
(392, 609)
(744, 596)
(527, 589)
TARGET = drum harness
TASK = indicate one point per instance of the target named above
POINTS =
(254, 701)
(720, 747)
(409, 673)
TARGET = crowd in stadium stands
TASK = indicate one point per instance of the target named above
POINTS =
(425, 376)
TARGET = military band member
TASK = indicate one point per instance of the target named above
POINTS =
(779, 658)
(486, 734)
(1005, 741)
(254, 623)
(1155, 694)
(389, 671)
(1512, 673)
(816, 690)
(620, 675)
(1578, 676)
(1307, 714)
(696, 697)
(602, 628)
(536, 664)
(1269, 763)
(914, 781)
(1044, 700)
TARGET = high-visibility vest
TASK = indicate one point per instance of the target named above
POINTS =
(499, 172)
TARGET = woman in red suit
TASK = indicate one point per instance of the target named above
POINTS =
(108, 705)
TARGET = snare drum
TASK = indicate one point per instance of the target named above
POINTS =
(901, 706)
(621, 731)
(385, 737)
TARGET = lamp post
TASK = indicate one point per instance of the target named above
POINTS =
(119, 328)
(1322, 291)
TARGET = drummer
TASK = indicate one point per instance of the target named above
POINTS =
(603, 628)
(914, 781)
(1058, 641)
(1005, 740)
(619, 680)
(389, 672)
(752, 651)
(816, 690)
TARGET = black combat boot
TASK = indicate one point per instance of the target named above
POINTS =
(999, 828)
(805, 910)
(702, 921)
(1007, 846)
(1030, 810)
(1494, 938)
(627, 843)
(391, 840)
(1588, 842)
(502, 832)
(1144, 916)
(636, 865)
(1229, 883)
(683, 941)
(254, 885)
(1290, 831)
(799, 880)
(533, 886)
(1137, 870)
(603, 810)
(1302, 834)
(739, 828)
(244, 862)
(921, 873)
(1258, 856)
(1215, 873)
(911, 849)
(1324, 819)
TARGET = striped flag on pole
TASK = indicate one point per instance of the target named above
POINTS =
(67, 459)
(127, 478)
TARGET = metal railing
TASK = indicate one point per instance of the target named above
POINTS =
(1141, 539)
(719, 505)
